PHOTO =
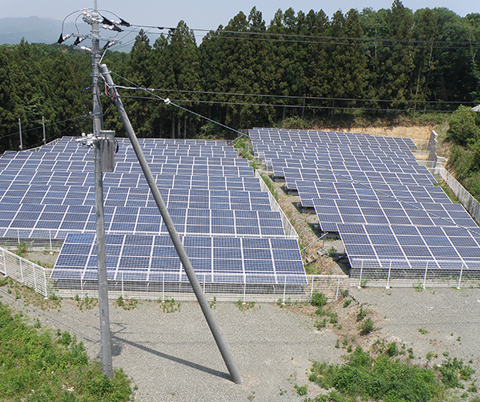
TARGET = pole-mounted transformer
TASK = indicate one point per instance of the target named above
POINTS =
(108, 149)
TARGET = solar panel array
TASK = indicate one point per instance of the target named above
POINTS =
(215, 202)
(372, 191)
(153, 258)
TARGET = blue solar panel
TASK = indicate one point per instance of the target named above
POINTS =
(141, 258)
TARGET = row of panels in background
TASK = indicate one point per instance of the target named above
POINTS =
(383, 219)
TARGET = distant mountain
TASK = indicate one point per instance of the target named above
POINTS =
(33, 30)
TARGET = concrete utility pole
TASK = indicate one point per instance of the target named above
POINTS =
(106, 339)
(177, 242)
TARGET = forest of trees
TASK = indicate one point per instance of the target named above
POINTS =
(375, 64)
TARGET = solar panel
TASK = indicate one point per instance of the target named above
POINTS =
(153, 258)
(211, 195)
(331, 212)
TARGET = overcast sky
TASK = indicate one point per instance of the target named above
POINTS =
(201, 14)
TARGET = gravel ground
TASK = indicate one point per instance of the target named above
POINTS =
(173, 356)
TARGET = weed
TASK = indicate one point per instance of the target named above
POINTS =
(347, 303)
(301, 390)
(331, 252)
(337, 344)
(418, 287)
(318, 299)
(213, 303)
(430, 356)
(392, 349)
(242, 306)
(361, 314)
(423, 331)
(367, 326)
(333, 318)
(344, 293)
(22, 250)
(453, 371)
(87, 303)
(319, 324)
(169, 306)
(126, 304)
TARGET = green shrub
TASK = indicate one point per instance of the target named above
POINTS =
(382, 378)
(367, 326)
(361, 314)
(462, 127)
(319, 300)
(392, 349)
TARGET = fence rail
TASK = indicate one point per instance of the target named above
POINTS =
(423, 273)
(84, 283)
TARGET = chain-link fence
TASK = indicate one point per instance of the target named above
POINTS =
(419, 273)
(25, 272)
(226, 287)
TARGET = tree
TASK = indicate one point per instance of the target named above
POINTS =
(462, 128)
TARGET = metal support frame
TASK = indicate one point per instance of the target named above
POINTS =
(177, 242)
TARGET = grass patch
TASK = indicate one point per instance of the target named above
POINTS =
(387, 378)
(39, 366)
(86, 303)
(29, 295)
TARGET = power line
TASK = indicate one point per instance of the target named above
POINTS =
(47, 125)
(325, 39)
(169, 102)
(298, 97)
(290, 106)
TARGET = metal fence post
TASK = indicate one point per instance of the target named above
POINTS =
(34, 279)
(338, 285)
(45, 283)
(21, 270)
(360, 278)
(311, 288)
(123, 294)
(244, 290)
(163, 287)
(388, 277)
(460, 277)
(425, 276)
(4, 263)
(284, 288)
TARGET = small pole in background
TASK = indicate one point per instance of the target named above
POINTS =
(43, 125)
(20, 132)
